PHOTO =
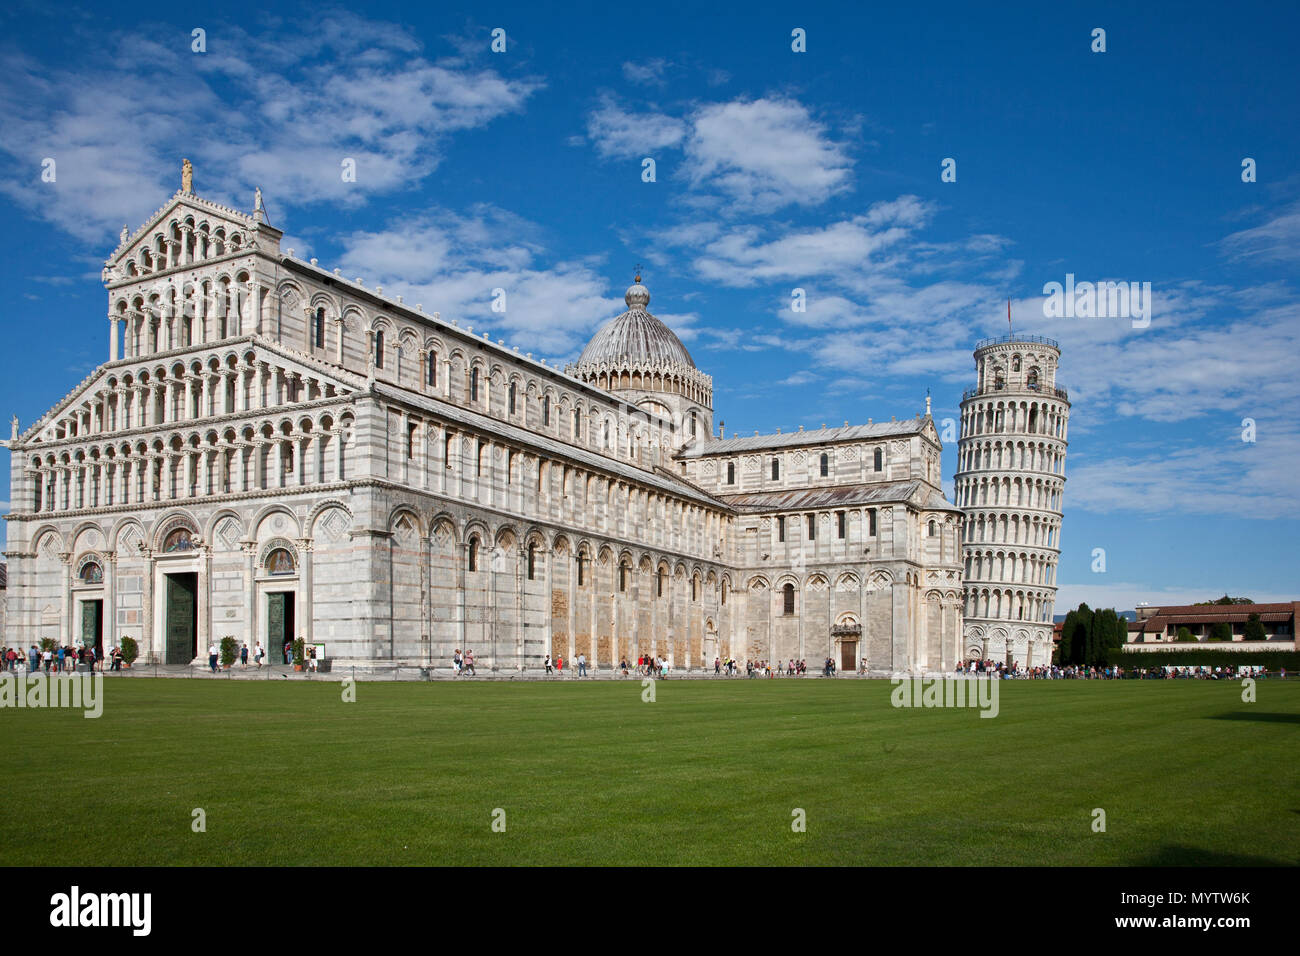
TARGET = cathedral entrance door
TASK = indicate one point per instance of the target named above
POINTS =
(848, 656)
(279, 624)
(182, 618)
(92, 626)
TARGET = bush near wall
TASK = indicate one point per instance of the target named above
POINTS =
(1273, 660)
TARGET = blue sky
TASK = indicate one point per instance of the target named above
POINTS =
(775, 170)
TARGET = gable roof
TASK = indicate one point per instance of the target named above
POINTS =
(820, 436)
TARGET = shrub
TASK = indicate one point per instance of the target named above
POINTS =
(1185, 636)
(299, 651)
(1221, 632)
(229, 650)
(1254, 629)
(130, 650)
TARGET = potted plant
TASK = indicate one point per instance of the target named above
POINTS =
(229, 650)
(130, 650)
(299, 653)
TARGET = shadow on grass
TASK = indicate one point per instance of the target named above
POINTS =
(1198, 856)
(1259, 715)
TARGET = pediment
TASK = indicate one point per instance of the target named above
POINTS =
(224, 231)
(56, 425)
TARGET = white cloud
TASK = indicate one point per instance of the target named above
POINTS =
(269, 111)
(760, 154)
(1277, 240)
(647, 73)
(452, 263)
(619, 134)
(765, 154)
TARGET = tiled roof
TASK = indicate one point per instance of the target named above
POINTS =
(885, 492)
(820, 436)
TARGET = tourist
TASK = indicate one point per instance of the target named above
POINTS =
(456, 663)
(582, 665)
(33, 660)
(469, 662)
(549, 669)
(48, 659)
(257, 657)
(212, 657)
(559, 665)
(243, 654)
(288, 651)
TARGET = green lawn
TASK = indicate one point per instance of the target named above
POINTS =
(707, 774)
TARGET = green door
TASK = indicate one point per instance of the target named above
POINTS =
(90, 626)
(182, 618)
(275, 627)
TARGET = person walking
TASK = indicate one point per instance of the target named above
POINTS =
(469, 662)
(212, 657)
(582, 665)
(257, 658)
(243, 654)
(549, 669)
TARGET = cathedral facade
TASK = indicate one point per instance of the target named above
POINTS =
(274, 451)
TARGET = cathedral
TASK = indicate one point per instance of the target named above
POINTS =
(274, 451)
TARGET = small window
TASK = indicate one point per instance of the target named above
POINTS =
(812, 527)
(577, 425)
(581, 563)
(318, 329)
(826, 464)
(842, 520)
(1015, 363)
(431, 370)
(788, 593)
(546, 410)
(532, 560)
(512, 398)
(879, 459)
(692, 424)
(776, 469)
(780, 528)
(473, 553)
(659, 583)
(622, 576)
(931, 532)
(731, 472)
(694, 588)
(411, 429)
(473, 385)
(379, 349)
(871, 522)
(724, 593)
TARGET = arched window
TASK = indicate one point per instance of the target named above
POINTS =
(473, 385)
(532, 559)
(512, 398)
(178, 540)
(731, 472)
(776, 469)
(546, 410)
(659, 583)
(431, 369)
(788, 594)
(577, 424)
(724, 593)
(879, 459)
(318, 328)
(1032, 378)
(623, 570)
(473, 553)
(379, 349)
(582, 560)
(931, 532)
(92, 573)
(694, 585)
(279, 561)
(692, 424)
(1015, 363)
(826, 464)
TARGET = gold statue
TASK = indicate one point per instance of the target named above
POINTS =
(187, 176)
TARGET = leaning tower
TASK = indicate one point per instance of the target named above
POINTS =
(1010, 474)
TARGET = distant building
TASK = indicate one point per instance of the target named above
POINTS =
(1159, 625)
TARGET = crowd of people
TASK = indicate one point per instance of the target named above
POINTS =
(59, 660)
(1014, 671)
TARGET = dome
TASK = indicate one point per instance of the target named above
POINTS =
(636, 337)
